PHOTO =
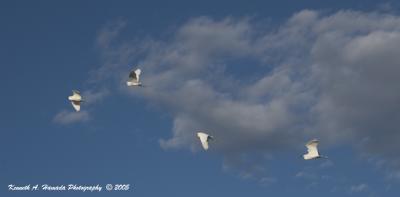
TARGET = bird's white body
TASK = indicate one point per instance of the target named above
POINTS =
(76, 100)
(204, 139)
(312, 150)
(134, 78)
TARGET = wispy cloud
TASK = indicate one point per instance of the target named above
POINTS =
(90, 97)
(326, 164)
(267, 181)
(94, 96)
(359, 188)
(306, 175)
(70, 117)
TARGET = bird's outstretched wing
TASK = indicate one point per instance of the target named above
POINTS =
(312, 147)
(76, 92)
(138, 72)
(75, 96)
(76, 105)
(132, 75)
(204, 139)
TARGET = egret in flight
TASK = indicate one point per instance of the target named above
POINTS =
(204, 139)
(312, 150)
(134, 77)
(76, 100)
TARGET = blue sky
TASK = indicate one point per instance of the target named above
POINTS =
(262, 77)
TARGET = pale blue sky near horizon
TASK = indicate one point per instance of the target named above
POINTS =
(49, 48)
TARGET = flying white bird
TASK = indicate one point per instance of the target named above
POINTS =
(134, 78)
(204, 139)
(76, 100)
(312, 150)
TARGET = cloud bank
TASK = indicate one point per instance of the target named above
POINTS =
(258, 89)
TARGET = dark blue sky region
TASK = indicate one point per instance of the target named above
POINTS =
(49, 48)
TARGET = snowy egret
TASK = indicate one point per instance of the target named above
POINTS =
(76, 100)
(312, 150)
(134, 78)
(204, 139)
